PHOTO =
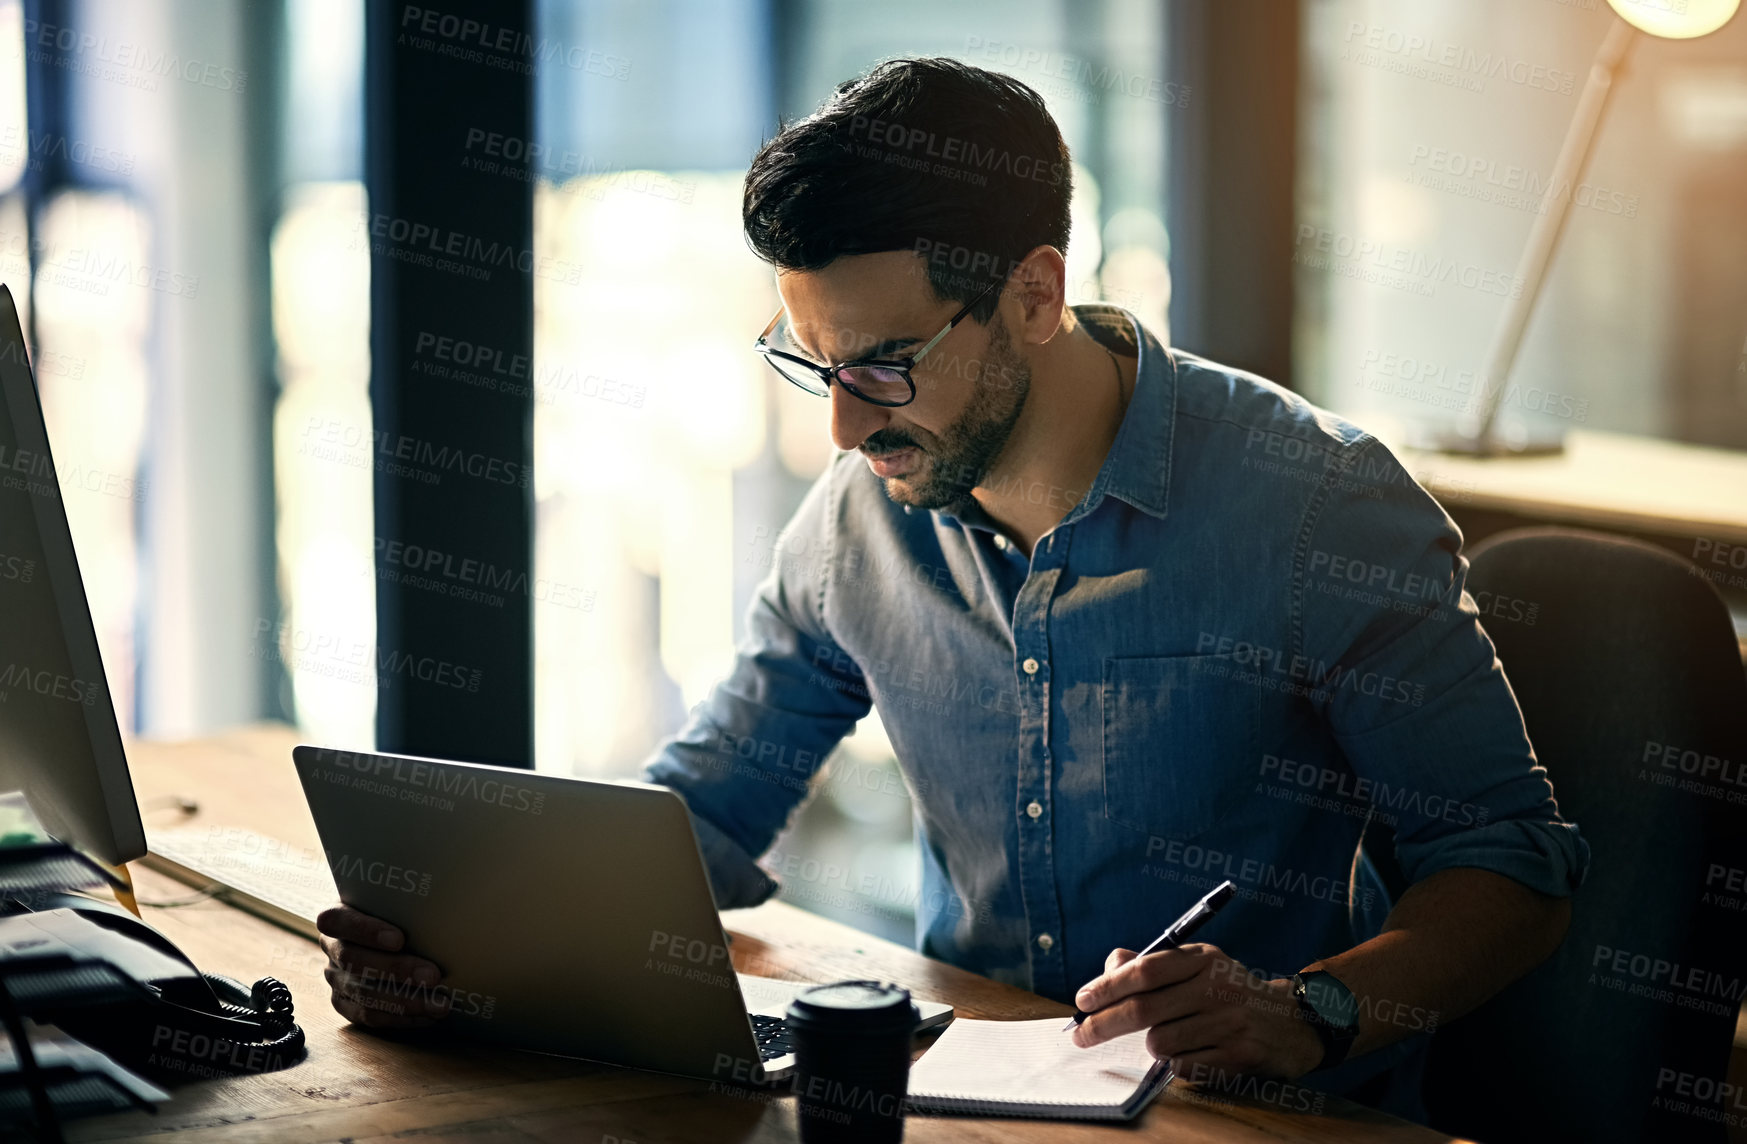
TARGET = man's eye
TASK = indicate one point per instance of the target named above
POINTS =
(788, 345)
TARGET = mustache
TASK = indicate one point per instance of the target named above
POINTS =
(887, 441)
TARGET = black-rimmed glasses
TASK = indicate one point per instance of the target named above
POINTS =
(877, 381)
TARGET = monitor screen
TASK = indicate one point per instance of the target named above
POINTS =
(59, 742)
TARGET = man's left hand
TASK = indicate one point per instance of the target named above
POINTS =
(1204, 1011)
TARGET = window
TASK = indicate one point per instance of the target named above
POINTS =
(1430, 134)
(324, 448)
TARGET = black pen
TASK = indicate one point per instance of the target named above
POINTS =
(1179, 931)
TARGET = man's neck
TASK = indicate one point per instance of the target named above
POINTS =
(1079, 393)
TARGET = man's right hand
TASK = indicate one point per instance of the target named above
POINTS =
(374, 983)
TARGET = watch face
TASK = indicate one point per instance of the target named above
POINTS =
(1331, 1000)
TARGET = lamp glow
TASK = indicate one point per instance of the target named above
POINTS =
(1676, 19)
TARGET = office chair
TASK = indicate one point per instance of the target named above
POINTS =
(1629, 679)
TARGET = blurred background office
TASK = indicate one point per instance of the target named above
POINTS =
(1333, 193)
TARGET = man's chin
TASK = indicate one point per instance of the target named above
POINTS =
(901, 491)
(923, 493)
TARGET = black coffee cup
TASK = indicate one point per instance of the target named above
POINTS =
(852, 1061)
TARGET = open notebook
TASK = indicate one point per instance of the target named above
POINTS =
(1032, 1068)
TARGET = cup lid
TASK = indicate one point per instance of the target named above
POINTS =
(858, 1005)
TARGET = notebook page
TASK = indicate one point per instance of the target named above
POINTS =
(1028, 1063)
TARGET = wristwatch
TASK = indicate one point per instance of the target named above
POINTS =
(1328, 1007)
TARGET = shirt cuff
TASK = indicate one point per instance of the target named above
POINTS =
(1549, 857)
(736, 880)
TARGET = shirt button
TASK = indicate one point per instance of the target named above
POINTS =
(1035, 810)
(1045, 942)
(1030, 666)
(1000, 542)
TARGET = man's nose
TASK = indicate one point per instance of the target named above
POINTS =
(854, 420)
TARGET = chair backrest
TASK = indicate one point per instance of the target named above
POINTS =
(1627, 669)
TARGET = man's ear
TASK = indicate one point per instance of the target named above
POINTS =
(1039, 285)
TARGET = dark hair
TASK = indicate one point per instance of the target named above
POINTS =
(960, 164)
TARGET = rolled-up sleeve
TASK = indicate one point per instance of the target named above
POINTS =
(745, 756)
(1408, 681)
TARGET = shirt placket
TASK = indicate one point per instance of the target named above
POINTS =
(1033, 672)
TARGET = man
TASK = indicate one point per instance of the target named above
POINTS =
(1134, 622)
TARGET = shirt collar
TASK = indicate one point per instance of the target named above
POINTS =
(1138, 468)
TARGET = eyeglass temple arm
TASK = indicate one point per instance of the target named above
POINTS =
(953, 325)
(932, 342)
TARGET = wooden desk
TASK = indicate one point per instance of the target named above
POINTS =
(1689, 499)
(365, 1087)
(1603, 480)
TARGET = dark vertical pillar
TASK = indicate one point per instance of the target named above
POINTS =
(782, 19)
(264, 48)
(452, 265)
(1233, 169)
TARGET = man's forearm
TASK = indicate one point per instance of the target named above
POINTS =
(1452, 941)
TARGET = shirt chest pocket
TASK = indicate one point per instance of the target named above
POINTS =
(1180, 743)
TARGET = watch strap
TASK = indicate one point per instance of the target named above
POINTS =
(1337, 1040)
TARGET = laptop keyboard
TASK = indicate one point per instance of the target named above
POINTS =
(772, 1034)
(251, 868)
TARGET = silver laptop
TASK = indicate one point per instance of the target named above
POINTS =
(569, 916)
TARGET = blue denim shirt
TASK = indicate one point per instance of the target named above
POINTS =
(1246, 639)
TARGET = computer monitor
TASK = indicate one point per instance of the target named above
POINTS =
(59, 741)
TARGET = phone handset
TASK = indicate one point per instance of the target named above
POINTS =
(189, 1025)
